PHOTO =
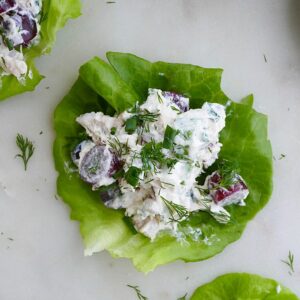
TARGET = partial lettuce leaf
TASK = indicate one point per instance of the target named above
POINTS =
(133, 70)
(243, 286)
(102, 78)
(10, 86)
(54, 16)
(245, 143)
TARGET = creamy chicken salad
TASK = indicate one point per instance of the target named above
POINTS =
(148, 159)
(19, 29)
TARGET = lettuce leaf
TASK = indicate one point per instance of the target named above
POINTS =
(55, 14)
(245, 140)
(243, 286)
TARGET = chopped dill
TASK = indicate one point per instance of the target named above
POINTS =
(290, 262)
(118, 147)
(174, 209)
(138, 292)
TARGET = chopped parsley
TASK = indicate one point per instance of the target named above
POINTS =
(170, 134)
(132, 176)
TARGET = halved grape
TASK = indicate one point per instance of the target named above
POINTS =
(98, 165)
(179, 100)
(25, 25)
(76, 154)
(233, 193)
(29, 27)
(6, 5)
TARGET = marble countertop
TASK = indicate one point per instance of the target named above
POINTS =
(257, 43)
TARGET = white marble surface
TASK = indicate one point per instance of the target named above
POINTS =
(45, 259)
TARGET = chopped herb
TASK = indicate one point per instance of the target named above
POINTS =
(175, 109)
(187, 134)
(265, 58)
(170, 134)
(10, 239)
(152, 156)
(138, 292)
(290, 262)
(182, 182)
(131, 125)
(183, 297)
(26, 147)
(132, 176)
(41, 132)
(282, 156)
(113, 130)
(227, 172)
(119, 148)
(167, 183)
(141, 118)
(160, 99)
(110, 2)
(174, 209)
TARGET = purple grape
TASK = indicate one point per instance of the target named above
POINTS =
(179, 100)
(6, 5)
(235, 192)
(30, 27)
(94, 165)
(23, 22)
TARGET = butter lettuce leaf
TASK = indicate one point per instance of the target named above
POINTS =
(245, 140)
(243, 286)
(55, 14)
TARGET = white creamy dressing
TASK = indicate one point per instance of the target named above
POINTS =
(198, 130)
(12, 62)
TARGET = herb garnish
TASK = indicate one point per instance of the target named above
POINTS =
(282, 156)
(170, 134)
(26, 147)
(132, 176)
(141, 118)
(265, 58)
(174, 208)
(183, 297)
(138, 292)
(152, 156)
(119, 148)
(290, 262)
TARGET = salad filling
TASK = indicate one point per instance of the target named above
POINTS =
(148, 159)
(19, 29)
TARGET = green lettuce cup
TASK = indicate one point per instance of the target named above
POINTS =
(114, 87)
(243, 286)
(54, 15)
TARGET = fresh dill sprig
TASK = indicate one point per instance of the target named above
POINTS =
(290, 262)
(118, 147)
(26, 147)
(138, 292)
(227, 172)
(222, 217)
(174, 209)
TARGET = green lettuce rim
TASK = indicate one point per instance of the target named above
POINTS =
(114, 87)
(243, 286)
(55, 14)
